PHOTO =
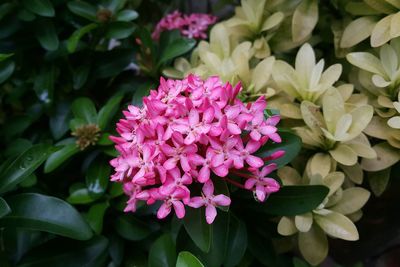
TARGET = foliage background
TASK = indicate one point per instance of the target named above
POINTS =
(68, 64)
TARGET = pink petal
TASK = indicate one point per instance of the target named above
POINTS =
(170, 163)
(233, 128)
(211, 213)
(185, 163)
(208, 188)
(255, 135)
(179, 209)
(275, 137)
(167, 149)
(254, 161)
(164, 210)
(252, 146)
(221, 170)
(268, 129)
(190, 138)
(217, 160)
(268, 169)
(273, 120)
(222, 200)
(260, 193)
(193, 117)
(196, 202)
(204, 174)
(249, 184)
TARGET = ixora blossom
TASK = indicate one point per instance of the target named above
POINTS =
(189, 133)
(192, 26)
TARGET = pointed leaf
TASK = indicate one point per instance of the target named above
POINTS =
(40, 7)
(4, 208)
(162, 252)
(337, 225)
(353, 199)
(313, 245)
(187, 259)
(357, 31)
(198, 229)
(305, 17)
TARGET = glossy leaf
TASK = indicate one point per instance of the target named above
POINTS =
(40, 7)
(46, 35)
(119, 30)
(44, 213)
(176, 48)
(84, 109)
(163, 252)
(4, 208)
(77, 35)
(23, 166)
(127, 15)
(97, 176)
(187, 259)
(236, 244)
(6, 70)
(83, 9)
(95, 216)
(132, 228)
(294, 200)
(198, 229)
(60, 156)
(107, 112)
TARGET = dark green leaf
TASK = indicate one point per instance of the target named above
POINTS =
(95, 216)
(113, 62)
(5, 56)
(140, 92)
(263, 249)
(83, 9)
(6, 70)
(291, 144)
(162, 252)
(221, 188)
(97, 176)
(59, 157)
(300, 263)
(41, 7)
(294, 200)
(29, 181)
(116, 249)
(77, 35)
(4, 208)
(59, 120)
(187, 259)
(26, 15)
(80, 76)
(92, 253)
(237, 242)
(198, 229)
(119, 30)
(6, 8)
(176, 48)
(104, 140)
(84, 109)
(107, 112)
(44, 83)
(81, 196)
(132, 228)
(127, 15)
(46, 35)
(48, 214)
(16, 147)
(23, 166)
(115, 190)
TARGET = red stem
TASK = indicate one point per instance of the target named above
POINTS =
(233, 182)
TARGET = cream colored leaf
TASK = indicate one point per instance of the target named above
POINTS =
(333, 108)
(286, 226)
(305, 62)
(312, 115)
(290, 110)
(337, 225)
(316, 76)
(361, 117)
(381, 6)
(378, 181)
(366, 61)
(172, 73)
(219, 41)
(305, 17)
(289, 176)
(379, 81)
(389, 59)
(262, 73)
(282, 74)
(395, 3)
(304, 222)
(344, 155)
(308, 137)
(355, 173)
(333, 181)
(331, 75)
(385, 101)
(362, 150)
(395, 25)
(377, 128)
(342, 126)
(386, 156)
(356, 216)
(272, 21)
(381, 32)
(320, 164)
(313, 245)
(353, 199)
(346, 90)
(396, 105)
(357, 31)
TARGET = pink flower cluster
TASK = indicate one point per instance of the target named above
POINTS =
(192, 26)
(186, 131)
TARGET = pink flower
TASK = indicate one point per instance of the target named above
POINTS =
(262, 185)
(187, 132)
(210, 201)
(192, 26)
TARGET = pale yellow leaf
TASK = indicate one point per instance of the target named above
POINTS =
(305, 17)
(353, 199)
(286, 226)
(337, 225)
(386, 156)
(357, 31)
(304, 222)
(313, 245)
(381, 32)
(366, 61)
(272, 21)
(344, 155)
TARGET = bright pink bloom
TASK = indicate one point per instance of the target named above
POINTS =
(210, 201)
(189, 131)
(193, 26)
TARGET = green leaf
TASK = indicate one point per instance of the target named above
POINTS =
(313, 245)
(77, 35)
(4, 208)
(80, 76)
(262, 249)
(119, 30)
(95, 216)
(107, 112)
(83, 9)
(84, 109)
(198, 229)
(176, 48)
(40, 7)
(305, 17)
(81, 196)
(162, 252)
(46, 35)
(64, 253)
(237, 242)
(59, 157)
(44, 83)
(44, 213)
(5, 9)
(59, 120)
(24, 166)
(291, 144)
(5, 56)
(378, 181)
(141, 91)
(295, 200)
(187, 259)
(112, 62)
(127, 15)
(97, 176)
(6, 70)
(134, 229)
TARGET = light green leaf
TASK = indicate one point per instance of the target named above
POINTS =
(337, 225)
(176, 48)
(357, 31)
(44, 213)
(305, 17)
(77, 35)
(286, 226)
(366, 61)
(313, 245)
(395, 25)
(83, 108)
(333, 181)
(127, 15)
(304, 221)
(344, 155)
(333, 108)
(187, 259)
(353, 199)
(305, 62)
(272, 21)
(378, 181)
